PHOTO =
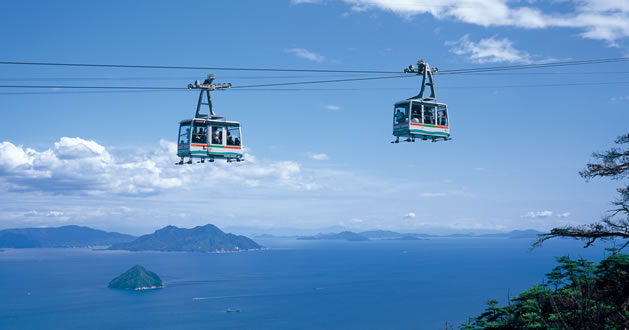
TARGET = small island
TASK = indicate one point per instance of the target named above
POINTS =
(136, 278)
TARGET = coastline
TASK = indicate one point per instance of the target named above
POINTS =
(148, 288)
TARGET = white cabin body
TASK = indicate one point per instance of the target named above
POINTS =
(421, 119)
(210, 138)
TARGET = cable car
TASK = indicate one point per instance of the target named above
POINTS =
(421, 117)
(208, 136)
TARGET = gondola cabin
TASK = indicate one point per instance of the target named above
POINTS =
(421, 119)
(211, 138)
(208, 136)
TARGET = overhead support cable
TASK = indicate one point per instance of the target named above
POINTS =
(180, 88)
(448, 71)
(174, 67)
(113, 89)
(320, 81)
(93, 87)
(533, 66)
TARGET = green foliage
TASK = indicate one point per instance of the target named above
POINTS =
(136, 278)
(613, 164)
(578, 295)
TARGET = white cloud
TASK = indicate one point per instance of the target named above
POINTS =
(319, 156)
(304, 53)
(490, 50)
(305, 1)
(409, 215)
(598, 19)
(35, 213)
(430, 195)
(545, 214)
(332, 107)
(458, 192)
(75, 165)
(617, 99)
(538, 214)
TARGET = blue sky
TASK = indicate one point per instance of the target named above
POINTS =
(318, 157)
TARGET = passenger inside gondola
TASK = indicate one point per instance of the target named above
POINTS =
(416, 113)
(429, 115)
(184, 134)
(401, 115)
(217, 137)
(443, 117)
(233, 136)
(200, 136)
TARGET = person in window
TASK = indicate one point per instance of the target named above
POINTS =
(195, 136)
(429, 117)
(400, 117)
(230, 140)
(218, 136)
(441, 120)
(202, 135)
(415, 116)
(237, 141)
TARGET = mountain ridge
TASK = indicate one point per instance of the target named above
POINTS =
(207, 238)
(59, 237)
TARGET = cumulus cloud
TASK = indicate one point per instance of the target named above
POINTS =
(490, 50)
(304, 53)
(545, 214)
(430, 195)
(35, 213)
(332, 107)
(617, 99)
(597, 19)
(75, 165)
(538, 214)
(457, 192)
(319, 156)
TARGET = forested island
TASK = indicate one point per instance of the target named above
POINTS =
(206, 238)
(136, 278)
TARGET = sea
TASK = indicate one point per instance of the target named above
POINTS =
(292, 284)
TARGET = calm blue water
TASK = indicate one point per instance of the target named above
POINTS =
(293, 285)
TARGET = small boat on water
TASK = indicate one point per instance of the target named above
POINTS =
(230, 310)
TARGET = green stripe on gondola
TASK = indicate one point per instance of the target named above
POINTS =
(203, 152)
(226, 153)
(429, 133)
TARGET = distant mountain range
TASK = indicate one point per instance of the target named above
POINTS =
(346, 235)
(59, 237)
(391, 235)
(206, 238)
(386, 234)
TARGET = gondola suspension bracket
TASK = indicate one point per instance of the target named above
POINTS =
(207, 86)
